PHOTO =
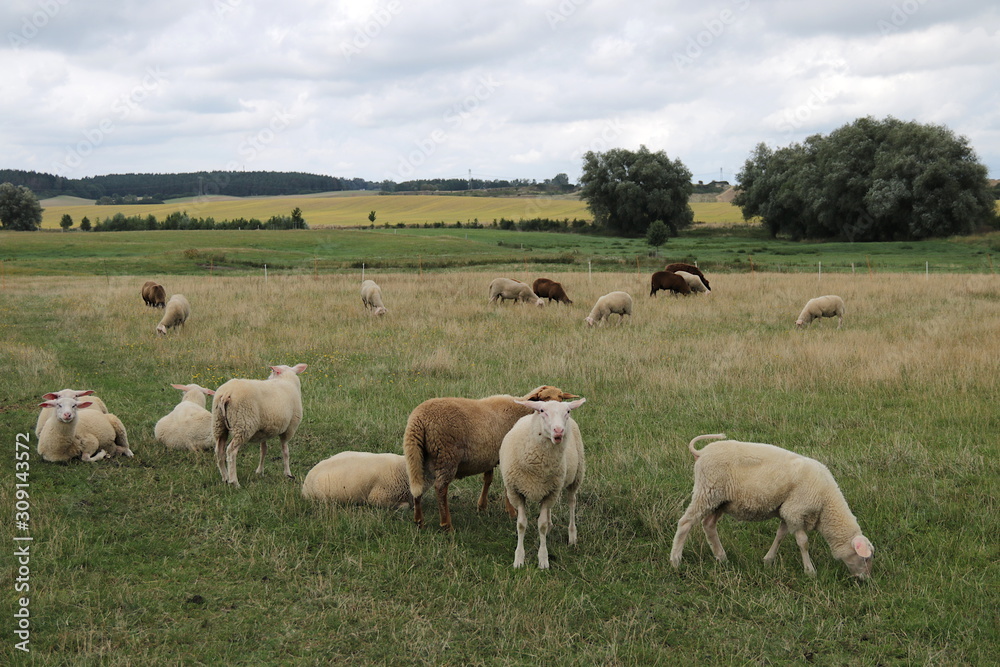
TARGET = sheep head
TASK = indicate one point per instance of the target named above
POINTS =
(277, 371)
(553, 416)
(859, 558)
(548, 393)
(65, 407)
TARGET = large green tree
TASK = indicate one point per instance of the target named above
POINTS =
(628, 190)
(19, 208)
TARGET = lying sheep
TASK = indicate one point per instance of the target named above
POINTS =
(153, 294)
(694, 283)
(540, 458)
(613, 302)
(189, 425)
(551, 290)
(822, 306)
(371, 297)
(75, 432)
(255, 410)
(451, 438)
(755, 482)
(667, 281)
(175, 314)
(512, 290)
(360, 478)
(46, 413)
(688, 268)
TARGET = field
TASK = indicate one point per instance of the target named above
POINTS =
(152, 560)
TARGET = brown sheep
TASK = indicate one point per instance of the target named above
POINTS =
(551, 290)
(153, 294)
(451, 438)
(690, 268)
(668, 281)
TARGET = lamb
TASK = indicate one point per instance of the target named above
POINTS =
(360, 478)
(175, 314)
(830, 305)
(688, 268)
(75, 432)
(694, 282)
(755, 482)
(255, 410)
(371, 297)
(668, 281)
(153, 294)
(541, 457)
(551, 290)
(612, 302)
(46, 413)
(451, 438)
(189, 425)
(513, 290)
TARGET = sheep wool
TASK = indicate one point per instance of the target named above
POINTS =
(189, 425)
(513, 290)
(677, 267)
(612, 302)
(830, 305)
(175, 314)
(360, 478)
(75, 432)
(694, 282)
(371, 297)
(46, 413)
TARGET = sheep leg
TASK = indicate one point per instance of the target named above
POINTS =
(773, 551)
(511, 510)
(522, 527)
(684, 526)
(441, 487)
(571, 501)
(803, 541)
(544, 525)
(96, 457)
(483, 498)
(418, 511)
(231, 451)
(263, 453)
(285, 458)
(708, 524)
(220, 458)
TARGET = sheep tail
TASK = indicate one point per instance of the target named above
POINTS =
(413, 450)
(220, 416)
(713, 436)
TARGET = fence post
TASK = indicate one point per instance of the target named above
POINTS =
(820, 277)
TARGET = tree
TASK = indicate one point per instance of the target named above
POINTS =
(66, 222)
(626, 191)
(19, 208)
(85, 224)
(371, 217)
(298, 222)
(657, 234)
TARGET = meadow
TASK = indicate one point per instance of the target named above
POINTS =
(153, 560)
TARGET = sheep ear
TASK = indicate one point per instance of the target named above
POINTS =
(567, 396)
(50, 397)
(84, 404)
(575, 404)
(862, 546)
(534, 405)
(49, 403)
(182, 387)
(536, 393)
(85, 392)
(299, 368)
(210, 392)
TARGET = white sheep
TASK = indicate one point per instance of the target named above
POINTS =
(45, 413)
(255, 410)
(830, 305)
(513, 290)
(189, 424)
(756, 482)
(175, 314)
(371, 297)
(694, 282)
(542, 456)
(75, 432)
(360, 478)
(613, 302)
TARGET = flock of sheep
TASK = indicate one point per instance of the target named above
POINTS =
(532, 438)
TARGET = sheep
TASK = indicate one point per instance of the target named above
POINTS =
(668, 281)
(360, 478)
(189, 425)
(153, 294)
(830, 305)
(45, 413)
(755, 482)
(688, 268)
(514, 290)
(451, 438)
(551, 290)
(541, 457)
(612, 302)
(695, 283)
(75, 432)
(371, 297)
(255, 410)
(175, 314)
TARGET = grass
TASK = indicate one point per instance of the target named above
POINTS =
(153, 561)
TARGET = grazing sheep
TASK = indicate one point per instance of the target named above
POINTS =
(176, 313)
(189, 424)
(46, 413)
(688, 268)
(694, 282)
(540, 458)
(371, 297)
(822, 306)
(612, 302)
(255, 410)
(668, 281)
(360, 478)
(513, 290)
(153, 294)
(451, 438)
(75, 432)
(755, 482)
(551, 290)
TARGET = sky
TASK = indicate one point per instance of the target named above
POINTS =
(488, 89)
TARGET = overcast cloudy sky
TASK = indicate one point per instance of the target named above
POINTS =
(402, 89)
